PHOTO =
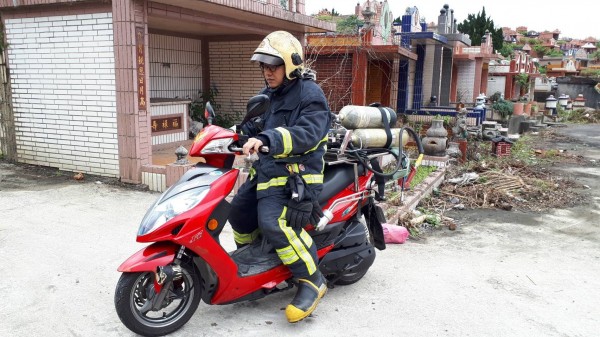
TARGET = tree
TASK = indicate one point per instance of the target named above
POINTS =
(522, 79)
(477, 25)
(554, 53)
(540, 50)
(507, 50)
(349, 25)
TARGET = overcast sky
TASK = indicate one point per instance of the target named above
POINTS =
(535, 15)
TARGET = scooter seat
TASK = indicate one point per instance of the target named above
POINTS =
(336, 178)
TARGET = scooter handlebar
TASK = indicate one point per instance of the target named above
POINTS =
(262, 149)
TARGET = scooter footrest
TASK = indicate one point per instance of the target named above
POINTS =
(251, 260)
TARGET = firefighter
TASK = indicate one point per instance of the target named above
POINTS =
(280, 196)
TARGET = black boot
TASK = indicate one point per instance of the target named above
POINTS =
(310, 291)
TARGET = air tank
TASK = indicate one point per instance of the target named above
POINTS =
(365, 117)
(377, 138)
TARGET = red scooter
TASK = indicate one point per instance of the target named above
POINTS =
(162, 284)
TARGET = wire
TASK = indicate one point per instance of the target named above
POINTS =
(362, 155)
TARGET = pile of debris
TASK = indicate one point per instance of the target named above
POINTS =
(489, 185)
(523, 181)
(585, 115)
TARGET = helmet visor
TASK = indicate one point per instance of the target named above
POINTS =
(267, 59)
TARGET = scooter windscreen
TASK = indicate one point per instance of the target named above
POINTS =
(165, 210)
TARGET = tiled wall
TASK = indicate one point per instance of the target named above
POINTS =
(63, 83)
(171, 109)
(156, 181)
(464, 83)
(175, 67)
(232, 73)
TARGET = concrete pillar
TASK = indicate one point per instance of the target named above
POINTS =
(436, 79)
(8, 141)
(131, 75)
(477, 80)
(446, 79)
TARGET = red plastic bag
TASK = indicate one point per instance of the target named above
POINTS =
(394, 234)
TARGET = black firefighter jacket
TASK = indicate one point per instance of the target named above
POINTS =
(295, 129)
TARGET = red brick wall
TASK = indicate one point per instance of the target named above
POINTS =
(374, 83)
(334, 75)
(232, 73)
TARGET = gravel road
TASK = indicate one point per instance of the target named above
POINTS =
(499, 274)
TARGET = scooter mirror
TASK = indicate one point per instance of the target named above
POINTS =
(256, 106)
(209, 113)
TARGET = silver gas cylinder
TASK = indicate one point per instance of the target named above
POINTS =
(377, 138)
(364, 117)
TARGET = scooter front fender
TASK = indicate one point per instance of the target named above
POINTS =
(148, 258)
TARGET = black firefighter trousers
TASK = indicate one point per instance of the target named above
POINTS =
(250, 217)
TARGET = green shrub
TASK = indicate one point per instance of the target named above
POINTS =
(504, 108)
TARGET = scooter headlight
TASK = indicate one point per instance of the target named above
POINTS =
(167, 209)
(217, 146)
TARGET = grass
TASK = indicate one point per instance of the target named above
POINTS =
(422, 173)
(393, 197)
(522, 151)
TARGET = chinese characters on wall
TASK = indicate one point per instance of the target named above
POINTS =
(166, 124)
(141, 68)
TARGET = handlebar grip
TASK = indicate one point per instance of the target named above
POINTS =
(263, 149)
(327, 216)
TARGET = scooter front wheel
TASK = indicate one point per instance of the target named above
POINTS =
(134, 302)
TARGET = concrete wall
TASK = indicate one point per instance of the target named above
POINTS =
(495, 84)
(574, 86)
(63, 87)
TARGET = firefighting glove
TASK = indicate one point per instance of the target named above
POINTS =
(298, 213)
(316, 214)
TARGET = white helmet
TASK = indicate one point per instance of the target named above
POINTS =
(281, 47)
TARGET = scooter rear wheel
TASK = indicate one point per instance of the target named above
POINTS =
(351, 278)
(135, 292)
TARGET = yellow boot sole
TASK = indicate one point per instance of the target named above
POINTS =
(294, 314)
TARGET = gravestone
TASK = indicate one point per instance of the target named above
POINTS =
(514, 123)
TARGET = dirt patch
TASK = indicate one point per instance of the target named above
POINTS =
(17, 176)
